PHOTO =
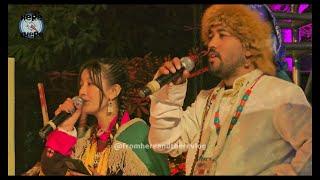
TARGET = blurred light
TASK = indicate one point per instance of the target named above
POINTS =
(289, 61)
(302, 7)
(287, 35)
(305, 33)
(280, 7)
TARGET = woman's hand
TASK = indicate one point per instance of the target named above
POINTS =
(94, 172)
(68, 106)
(74, 173)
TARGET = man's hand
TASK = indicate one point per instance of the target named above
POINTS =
(172, 67)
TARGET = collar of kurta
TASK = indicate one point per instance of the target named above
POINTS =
(240, 82)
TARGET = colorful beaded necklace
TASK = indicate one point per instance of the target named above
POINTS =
(237, 114)
(202, 165)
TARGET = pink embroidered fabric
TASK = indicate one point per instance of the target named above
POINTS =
(105, 136)
(63, 143)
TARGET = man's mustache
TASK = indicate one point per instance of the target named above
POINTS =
(212, 52)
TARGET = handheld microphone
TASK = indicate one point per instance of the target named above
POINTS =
(154, 85)
(52, 124)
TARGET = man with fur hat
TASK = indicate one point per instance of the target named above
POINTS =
(252, 123)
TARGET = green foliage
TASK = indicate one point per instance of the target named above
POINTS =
(70, 36)
(141, 70)
(76, 33)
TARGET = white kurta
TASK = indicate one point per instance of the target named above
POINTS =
(272, 136)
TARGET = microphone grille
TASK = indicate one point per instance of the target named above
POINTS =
(187, 63)
(77, 101)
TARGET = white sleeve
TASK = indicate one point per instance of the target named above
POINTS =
(173, 129)
(293, 121)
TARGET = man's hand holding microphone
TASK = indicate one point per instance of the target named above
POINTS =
(175, 72)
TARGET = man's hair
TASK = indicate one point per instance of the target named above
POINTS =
(246, 24)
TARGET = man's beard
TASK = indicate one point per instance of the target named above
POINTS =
(225, 71)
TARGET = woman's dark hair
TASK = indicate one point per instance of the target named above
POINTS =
(115, 73)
